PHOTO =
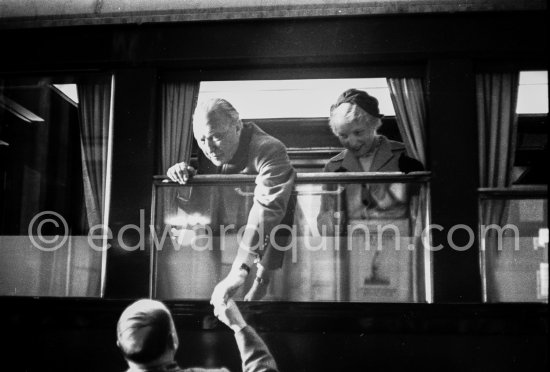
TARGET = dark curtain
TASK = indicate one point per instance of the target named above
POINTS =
(94, 115)
(178, 102)
(497, 131)
(409, 102)
(180, 269)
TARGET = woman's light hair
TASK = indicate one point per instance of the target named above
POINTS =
(352, 112)
(218, 107)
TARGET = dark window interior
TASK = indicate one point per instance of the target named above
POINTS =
(532, 150)
(40, 166)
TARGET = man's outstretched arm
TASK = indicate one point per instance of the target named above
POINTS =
(255, 355)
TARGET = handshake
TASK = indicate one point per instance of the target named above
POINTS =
(230, 315)
(225, 289)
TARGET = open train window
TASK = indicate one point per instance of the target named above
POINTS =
(296, 112)
(316, 267)
(531, 160)
(300, 98)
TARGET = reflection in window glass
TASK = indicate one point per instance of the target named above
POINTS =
(334, 253)
(307, 98)
(69, 91)
(533, 92)
(53, 190)
(515, 249)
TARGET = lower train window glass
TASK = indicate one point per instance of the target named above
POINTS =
(334, 249)
(54, 173)
(514, 237)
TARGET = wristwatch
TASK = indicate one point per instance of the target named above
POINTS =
(245, 267)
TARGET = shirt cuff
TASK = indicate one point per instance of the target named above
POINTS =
(238, 328)
(246, 257)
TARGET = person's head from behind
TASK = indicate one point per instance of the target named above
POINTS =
(355, 119)
(146, 334)
(217, 128)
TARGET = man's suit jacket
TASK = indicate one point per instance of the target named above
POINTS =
(262, 155)
(255, 356)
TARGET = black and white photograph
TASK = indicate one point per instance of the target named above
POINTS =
(274, 185)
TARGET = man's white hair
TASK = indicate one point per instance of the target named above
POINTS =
(217, 107)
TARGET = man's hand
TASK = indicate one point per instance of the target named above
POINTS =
(180, 172)
(227, 287)
(230, 315)
(258, 290)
